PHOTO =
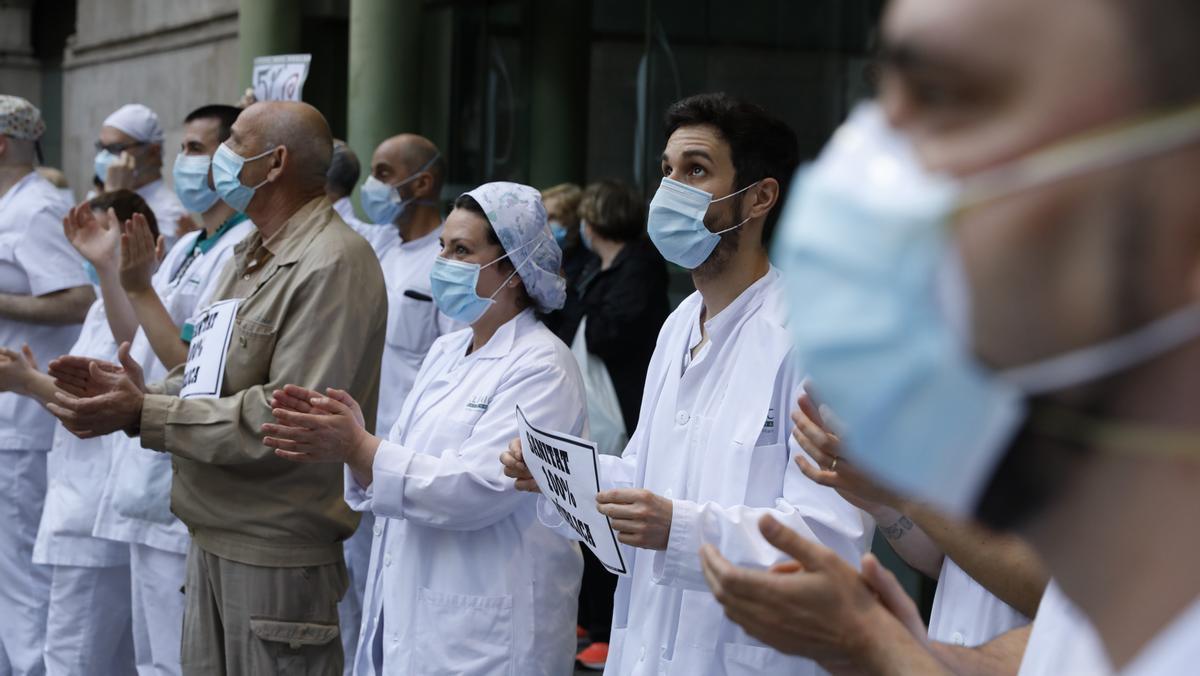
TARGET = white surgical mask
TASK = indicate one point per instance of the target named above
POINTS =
(870, 264)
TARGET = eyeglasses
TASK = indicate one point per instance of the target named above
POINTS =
(117, 148)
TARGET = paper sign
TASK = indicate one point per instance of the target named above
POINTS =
(566, 471)
(205, 370)
(280, 78)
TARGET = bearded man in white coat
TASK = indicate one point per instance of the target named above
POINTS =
(711, 455)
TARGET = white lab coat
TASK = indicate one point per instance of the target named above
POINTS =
(463, 579)
(714, 437)
(413, 319)
(1173, 650)
(76, 467)
(380, 237)
(166, 207)
(136, 501)
(1063, 641)
(35, 259)
(966, 614)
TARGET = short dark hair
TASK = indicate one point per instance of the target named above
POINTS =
(223, 114)
(1163, 36)
(125, 203)
(344, 170)
(614, 210)
(761, 145)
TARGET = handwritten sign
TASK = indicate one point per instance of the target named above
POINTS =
(566, 471)
(205, 369)
(280, 78)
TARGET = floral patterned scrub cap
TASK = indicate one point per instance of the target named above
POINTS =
(20, 119)
(518, 216)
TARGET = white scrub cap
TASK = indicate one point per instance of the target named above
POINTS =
(138, 121)
(518, 216)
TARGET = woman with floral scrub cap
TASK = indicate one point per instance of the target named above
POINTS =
(463, 577)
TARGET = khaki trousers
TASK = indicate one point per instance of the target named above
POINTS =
(244, 620)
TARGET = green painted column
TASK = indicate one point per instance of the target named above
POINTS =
(384, 96)
(265, 27)
(559, 91)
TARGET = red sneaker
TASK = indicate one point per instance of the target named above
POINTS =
(594, 656)
(580, 632)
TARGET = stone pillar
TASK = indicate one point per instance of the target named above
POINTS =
(265, 27)
(384, 95)
(559, 91)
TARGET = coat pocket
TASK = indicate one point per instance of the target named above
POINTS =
(294, 648)
(463, 634)
(743, 659)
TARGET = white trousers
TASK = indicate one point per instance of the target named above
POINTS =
(24, 585)
(88, 630)
(357, 550)
(156, 581)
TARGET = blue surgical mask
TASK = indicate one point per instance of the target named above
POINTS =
(873, 274)
(584, 237)
(226, 167)
(191, 182)
(676, 223)
(453, 285)
(382, 202)
(559, 231)
(101, 163)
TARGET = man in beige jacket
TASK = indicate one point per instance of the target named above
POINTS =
(299, 302)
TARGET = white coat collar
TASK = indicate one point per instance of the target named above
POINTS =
(502, 341)
(719, 327)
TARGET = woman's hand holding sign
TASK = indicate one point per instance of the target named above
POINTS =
(515, 467)
(311, 427)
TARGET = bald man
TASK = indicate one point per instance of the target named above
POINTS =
(299, 302)
(401, 197)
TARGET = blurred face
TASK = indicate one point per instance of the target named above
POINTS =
(464, 238)
(977, 83)
(201, 137)
(388, 166)
(116, 141)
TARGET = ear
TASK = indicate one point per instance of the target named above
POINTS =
(423, 186)
(762, 198)
(279, 160)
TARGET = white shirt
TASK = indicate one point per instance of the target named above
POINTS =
(715, 438)
(166, 207)
(414, 322)
(378, 236)
(35, 259)
(1174, 650)
(136, 502)
(75, 469)
(1063, 641)
(463, 579)
(966, 614)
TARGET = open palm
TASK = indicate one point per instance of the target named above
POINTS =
(95, 239)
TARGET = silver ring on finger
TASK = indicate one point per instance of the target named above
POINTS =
(833, 465)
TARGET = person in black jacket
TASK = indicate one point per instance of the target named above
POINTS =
(622, 291)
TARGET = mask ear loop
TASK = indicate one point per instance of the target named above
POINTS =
(516, 268)
(1091, 152)
(744, 221)
(264, 153)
